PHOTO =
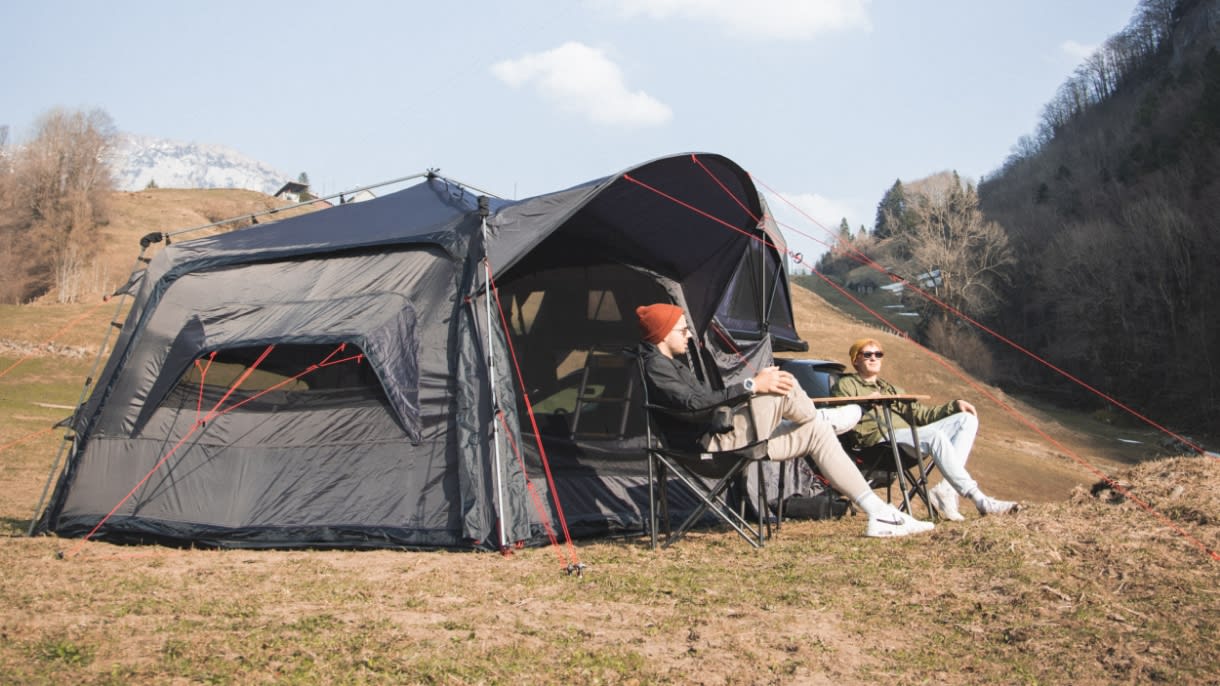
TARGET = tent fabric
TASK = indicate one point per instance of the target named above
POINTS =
(347, 377)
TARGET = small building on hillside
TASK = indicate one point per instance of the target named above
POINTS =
(295, 191)
(359, 196)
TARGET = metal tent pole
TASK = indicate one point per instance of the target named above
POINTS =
(87, 386)
(497, 476)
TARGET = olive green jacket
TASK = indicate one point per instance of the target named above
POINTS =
(869, 431)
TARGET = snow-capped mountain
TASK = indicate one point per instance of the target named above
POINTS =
(138, 160)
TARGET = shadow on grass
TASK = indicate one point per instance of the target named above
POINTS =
(13, 527)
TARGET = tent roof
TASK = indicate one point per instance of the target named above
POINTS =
(683, 216)
(425, 213)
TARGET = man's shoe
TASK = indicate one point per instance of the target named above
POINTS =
(990, 506)
(893, 524)
(944, 499)
(843, 418)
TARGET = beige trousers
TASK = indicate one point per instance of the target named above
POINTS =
(803, 434)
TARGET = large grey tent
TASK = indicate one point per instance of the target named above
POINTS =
(341, 378)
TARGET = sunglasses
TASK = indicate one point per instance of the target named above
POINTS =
(870, 354)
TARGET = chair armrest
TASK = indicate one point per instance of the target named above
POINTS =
(712, 419)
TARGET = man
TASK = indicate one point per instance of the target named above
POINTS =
(945, 431)
(773, 396)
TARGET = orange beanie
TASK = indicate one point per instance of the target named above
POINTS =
(656, 321)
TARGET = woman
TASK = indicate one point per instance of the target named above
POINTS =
(945, 431)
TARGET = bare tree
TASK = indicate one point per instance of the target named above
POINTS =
(55, 198)
(64, 166)
(949, 233)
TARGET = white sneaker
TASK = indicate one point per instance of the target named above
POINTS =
(989, 506)
(944, 499)
(893, 524)
(843, 418)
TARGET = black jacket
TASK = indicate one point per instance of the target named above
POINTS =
(673, 385)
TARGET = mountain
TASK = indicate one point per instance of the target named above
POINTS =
(139, 160)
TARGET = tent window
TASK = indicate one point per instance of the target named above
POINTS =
(288, 374)
(603, 307)
(524, 311)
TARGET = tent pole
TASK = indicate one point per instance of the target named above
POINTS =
(764, 325)
(84, 391)
(497, 476)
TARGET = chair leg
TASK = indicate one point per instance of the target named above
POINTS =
(658, 499)
(652, 499)
(901, 474)
(761, 506)
(779, 507)
(663, 481)
(709, 499)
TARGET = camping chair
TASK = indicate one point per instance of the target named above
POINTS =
(881, 464)
(887, 464)
(707, 474)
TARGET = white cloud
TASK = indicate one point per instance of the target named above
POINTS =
(769, 19)
(582, 80)
(1077, 51)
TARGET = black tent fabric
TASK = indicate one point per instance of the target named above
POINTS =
(343, 378)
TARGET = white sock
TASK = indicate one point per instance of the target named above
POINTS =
(872, 505)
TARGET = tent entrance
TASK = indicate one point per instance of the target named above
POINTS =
(571, 328)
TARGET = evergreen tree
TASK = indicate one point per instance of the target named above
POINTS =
(303, 179)
(892, 213)
(844, 231)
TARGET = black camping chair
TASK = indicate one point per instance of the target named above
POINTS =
(887, 464)
(883, 464)
(709, 475)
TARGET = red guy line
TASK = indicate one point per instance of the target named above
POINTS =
(529, 409)
(55, 335)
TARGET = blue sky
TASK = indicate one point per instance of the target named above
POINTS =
(826, 102)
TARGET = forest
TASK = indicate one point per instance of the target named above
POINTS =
(1088, 255)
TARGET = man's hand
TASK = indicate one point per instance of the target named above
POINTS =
(773, 380)
(967, 408)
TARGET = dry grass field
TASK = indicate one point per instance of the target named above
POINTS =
(1085, 586)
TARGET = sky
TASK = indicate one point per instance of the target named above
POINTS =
(825, 102)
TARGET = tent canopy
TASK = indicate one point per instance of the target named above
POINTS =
(388, 406)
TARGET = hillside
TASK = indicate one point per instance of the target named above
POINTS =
(1083, 587)
(133, 215)
(1009, 457)
(1111, 214)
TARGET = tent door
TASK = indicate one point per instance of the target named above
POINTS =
(606, 384)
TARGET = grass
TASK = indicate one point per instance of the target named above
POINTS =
(879, 301)
(1088, 590)
(1080, 588)
(1079, 592)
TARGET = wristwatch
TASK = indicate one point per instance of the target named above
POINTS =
(749, 384)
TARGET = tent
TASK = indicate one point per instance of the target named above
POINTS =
(342, 378)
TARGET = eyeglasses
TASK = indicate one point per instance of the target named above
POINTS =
(870, 354)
